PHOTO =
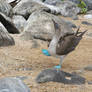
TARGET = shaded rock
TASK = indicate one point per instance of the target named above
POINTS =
(90, 82)
(7, 22)
(13, 2)
(6, 8)
(13, 85)
(86, 23)
(67, 8)
(26, 7)
(5, 38)
(40, 26)
(59, 76)
(20, 22)
(70, 24)
(88, 68)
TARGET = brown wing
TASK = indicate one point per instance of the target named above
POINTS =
(68, 43)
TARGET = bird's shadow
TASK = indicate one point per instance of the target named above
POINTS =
(55, 75)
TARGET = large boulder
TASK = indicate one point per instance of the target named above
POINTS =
(13, 85)
(40, 26)
(5, 8)
(19, 22)
(7, 22)
(5, 38)
(67, 8)
(26, 7)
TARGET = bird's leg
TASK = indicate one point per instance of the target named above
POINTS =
(61, 61)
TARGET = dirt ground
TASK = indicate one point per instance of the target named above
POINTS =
(23, 60)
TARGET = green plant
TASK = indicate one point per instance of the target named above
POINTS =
(83, 6)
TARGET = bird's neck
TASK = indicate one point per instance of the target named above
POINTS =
(52, 46)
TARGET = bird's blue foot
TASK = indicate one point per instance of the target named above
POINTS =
(57, 67)
(45, 52)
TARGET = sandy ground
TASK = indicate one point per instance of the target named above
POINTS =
(23, 60)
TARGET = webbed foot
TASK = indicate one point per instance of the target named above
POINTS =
(57, 67)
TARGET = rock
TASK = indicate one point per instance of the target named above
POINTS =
(6, 8)
(26, 7)
(54, 75)
(12, 84)
(75, 17)
(7, 22)
(20, 22)
(89, 34)
(67, 8)
(86, 23)
(88, 68)
(70, 24)
(40, 26)
(87, 2)
(90, 82)
(5, 38)
(52, 2)
(88, 16)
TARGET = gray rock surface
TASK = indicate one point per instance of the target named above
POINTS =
(26, 7)
(19, 22)
(13, 85)
(54, 75)
(65, 8)
(41, 26)
(7, 22)
(86, 23)
(5, 38)
(5, 8)
(52, 2)
(88, 68)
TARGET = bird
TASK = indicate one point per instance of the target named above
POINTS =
(63, 42)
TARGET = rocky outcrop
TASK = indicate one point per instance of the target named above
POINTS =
(41, 26)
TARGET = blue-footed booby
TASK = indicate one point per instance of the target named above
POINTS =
(63, 42)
